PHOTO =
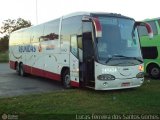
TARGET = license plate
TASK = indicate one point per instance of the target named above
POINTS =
(125, 84)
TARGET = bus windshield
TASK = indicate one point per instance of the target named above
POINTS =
(119, 44)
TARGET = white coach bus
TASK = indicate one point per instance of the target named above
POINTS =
(94, 50)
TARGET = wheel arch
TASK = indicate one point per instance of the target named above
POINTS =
(63, 70)
(15, 64)
(151, 65)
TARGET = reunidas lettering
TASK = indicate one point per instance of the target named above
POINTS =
(27, 48)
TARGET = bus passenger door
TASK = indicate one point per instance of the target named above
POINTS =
(88, 55)
(74, 62)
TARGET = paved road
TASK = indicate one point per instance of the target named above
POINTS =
(13, 85)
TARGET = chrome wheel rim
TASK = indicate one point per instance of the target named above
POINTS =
(67, 80)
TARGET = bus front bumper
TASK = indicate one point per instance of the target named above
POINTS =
(118, 84)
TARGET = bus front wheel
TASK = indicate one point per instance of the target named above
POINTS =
(154, 71)
(66, 79)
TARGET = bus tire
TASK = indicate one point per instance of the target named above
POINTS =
(66, 79)
(21, 70)
(17, 68)
(154, 71)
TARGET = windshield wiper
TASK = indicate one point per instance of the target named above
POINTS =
(110, 58)
(115, 56)
(136, 58)
(122, 56)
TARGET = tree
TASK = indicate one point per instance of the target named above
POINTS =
(10, 26)
(4, 43)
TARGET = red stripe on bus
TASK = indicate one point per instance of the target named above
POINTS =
(12, 65)
(27, 69)
(53, 76)
(42, 73)
(74, 84)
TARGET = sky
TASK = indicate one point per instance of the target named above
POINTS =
(52, 9)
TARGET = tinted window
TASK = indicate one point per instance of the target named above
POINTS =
(51, 30)
(71, 26)
(27, 36)
(37, 32)
(118, 38)
(79, 38)
(74, 46)
(13, 39)
(19, 38)
(149, 52)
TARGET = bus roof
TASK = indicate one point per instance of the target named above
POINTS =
(95, 13)
(151, 19)
(77, 14)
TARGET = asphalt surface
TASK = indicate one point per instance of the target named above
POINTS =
(13, 85)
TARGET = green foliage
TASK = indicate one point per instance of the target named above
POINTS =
(3, 56)
(4, 43)
(142, 100)
(10, 26)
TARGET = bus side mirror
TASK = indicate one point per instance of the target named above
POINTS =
(148, 27)
(96, 23)
(98, 27)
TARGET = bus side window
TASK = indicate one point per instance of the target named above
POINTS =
(150, 52)
(80, 49)
(74, 46)
(51, 30)
(38, 32)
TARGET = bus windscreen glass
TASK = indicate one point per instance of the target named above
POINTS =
(119, 42)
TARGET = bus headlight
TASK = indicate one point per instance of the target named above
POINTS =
(140, 68)
(140, 75)
(106, 77)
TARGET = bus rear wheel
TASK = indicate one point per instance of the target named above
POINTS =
(154, 71)
(21, 70)
(66, 79)
(17, 69)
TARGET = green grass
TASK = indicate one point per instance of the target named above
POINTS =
(142, 100)
(3, 57)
